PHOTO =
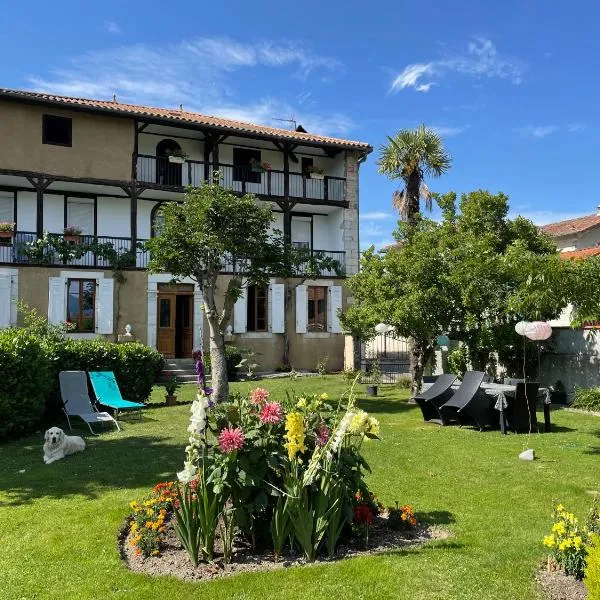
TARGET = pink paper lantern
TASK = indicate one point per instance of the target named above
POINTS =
(538, 330)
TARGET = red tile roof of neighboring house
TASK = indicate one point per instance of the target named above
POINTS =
(583, 253)
(571, 226)
(182, 116)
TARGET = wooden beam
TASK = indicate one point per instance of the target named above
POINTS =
(291, 148)
(134, 154)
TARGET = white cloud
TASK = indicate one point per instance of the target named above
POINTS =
(537, 131)
(481, 59)
(449, 131)
(112, 27)
(541, 131)
(410, 77)
(377, 216)
(197, 74)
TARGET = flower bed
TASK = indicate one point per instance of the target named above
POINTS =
(573, 555)
(267, 482)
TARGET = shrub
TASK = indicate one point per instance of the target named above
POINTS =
(592, 570)
(587, 398)
(402, 517)
(458, 361)
(404, 382)
(233, 357)
(26, 381)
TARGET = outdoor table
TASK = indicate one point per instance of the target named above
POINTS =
(501, 391)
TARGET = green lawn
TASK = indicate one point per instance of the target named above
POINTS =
(59, 522)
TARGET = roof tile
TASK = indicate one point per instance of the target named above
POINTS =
(583, 253)
(571, 226)
(182, 116)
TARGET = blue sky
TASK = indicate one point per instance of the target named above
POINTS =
(512, 86)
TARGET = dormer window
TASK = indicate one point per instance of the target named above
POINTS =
(57, 131)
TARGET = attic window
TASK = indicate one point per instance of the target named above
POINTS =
(57, 131)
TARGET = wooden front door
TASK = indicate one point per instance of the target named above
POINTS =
(166, 324)
(184, 333)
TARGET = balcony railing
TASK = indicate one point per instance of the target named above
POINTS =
(97, 251)
(242, 179)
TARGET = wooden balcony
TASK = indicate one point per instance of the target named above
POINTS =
(242, 179)
(96, 252)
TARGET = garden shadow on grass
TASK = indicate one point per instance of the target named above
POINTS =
(114, 462)
(436, 517)
(385, 406)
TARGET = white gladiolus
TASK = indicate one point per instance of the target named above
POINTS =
(338, 436)
(196, 430)
(189, 470)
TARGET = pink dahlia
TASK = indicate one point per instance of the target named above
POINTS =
(231, 439)
(322, 434)
(270, 412)
(259, 396)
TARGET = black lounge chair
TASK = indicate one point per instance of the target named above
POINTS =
(520, 413)
(431, 399)
(466, 395)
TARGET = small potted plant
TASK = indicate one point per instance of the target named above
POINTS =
(7, 230)
(559, 393)
(171, 387)
(176, 156)
(259, 167)
(72, 234)
(316, 172)
(374, 374)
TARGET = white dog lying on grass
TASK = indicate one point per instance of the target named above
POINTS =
(57, 445)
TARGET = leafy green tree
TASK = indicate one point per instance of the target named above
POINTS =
(410, 155)
(210, 231)
(471, 276)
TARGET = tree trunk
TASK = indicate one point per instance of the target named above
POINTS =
(413, 193)
(420, 353)
(218, 361)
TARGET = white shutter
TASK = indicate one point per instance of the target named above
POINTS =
(152, 314)
(240, 312)
(80, 214)
(301, 309)
(277, 308)
(335, 305)
(5, 301)
(57, 294)
(104, 306)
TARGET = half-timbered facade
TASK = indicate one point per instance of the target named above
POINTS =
(82, 181)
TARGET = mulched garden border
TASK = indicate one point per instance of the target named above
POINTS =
(173, 560)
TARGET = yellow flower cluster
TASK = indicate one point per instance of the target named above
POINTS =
(566, 539)
(294, 434)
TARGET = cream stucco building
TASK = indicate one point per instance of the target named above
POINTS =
(105, 168)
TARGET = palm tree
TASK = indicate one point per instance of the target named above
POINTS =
(410, 155)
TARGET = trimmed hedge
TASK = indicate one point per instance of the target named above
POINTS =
(29, 367)
(233, 357)
(26, 381)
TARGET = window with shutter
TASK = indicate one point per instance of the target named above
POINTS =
(81, 304)
(80, 214)
(317, 308)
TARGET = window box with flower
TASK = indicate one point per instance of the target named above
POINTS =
(176, 156)
(72, 234)
(7, 230)
(256, 166)
(316, 172)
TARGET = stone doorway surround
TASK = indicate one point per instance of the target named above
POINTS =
(153, 281)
